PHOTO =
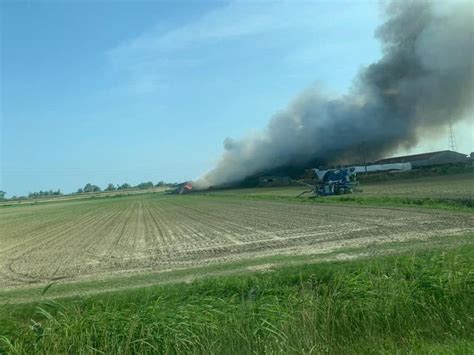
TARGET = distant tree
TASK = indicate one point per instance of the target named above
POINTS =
(42, 193)
(160, 183)
(145, 185)
(80, 190)
(124, 186)
(110, 187)
(2, 195)
(91, 188)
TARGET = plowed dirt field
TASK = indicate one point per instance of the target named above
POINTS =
(97, 239)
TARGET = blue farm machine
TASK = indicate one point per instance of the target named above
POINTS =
(332, 182)
(344, 180)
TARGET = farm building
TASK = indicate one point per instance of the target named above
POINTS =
(274, 181)
(427, 159)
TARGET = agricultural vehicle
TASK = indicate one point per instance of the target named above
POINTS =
(332, 182)
(344, 180)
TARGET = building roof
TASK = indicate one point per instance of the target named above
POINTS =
(417, 157)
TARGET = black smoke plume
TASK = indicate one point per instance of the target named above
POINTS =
(423, 80)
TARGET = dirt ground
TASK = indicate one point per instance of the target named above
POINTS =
(98, 239)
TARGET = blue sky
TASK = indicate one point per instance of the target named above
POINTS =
(131, 91)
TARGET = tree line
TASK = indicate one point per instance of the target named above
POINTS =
(38, 194)
(45, 193)
(125, 186)
(88, 188)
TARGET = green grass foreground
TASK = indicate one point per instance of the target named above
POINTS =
(420, 302)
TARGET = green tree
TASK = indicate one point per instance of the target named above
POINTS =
(124, 186)
(2, 195)
(110, 187)
(145, 185)
(46, 193)
(91, 188)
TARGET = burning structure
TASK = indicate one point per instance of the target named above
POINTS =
(183, 188)
(423, 81)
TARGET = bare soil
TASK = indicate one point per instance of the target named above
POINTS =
(97, 239)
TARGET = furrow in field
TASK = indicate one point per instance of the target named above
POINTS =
(63, 251)
(102, 246)
(155, 233)
(213, 230)
(224, 226)
(33, 236)
(161, 234)
(43, 245)
(133, 237)
(103, 241)
(170, 232)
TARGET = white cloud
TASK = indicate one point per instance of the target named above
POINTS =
(144, 58)
(234, 20)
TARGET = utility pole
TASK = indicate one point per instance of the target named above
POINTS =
(364, 155)
(451, 139)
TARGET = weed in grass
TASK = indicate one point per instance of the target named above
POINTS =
(417, 302)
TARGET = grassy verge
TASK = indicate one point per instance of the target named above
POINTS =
(459, 204)
(417, 302)
(454, 204)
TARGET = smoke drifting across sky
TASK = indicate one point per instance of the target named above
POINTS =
(423, 80)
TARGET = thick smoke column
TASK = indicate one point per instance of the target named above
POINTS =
(424, 79)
